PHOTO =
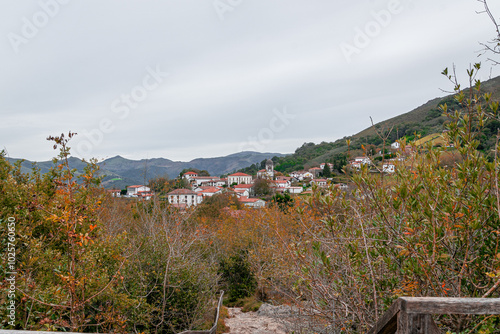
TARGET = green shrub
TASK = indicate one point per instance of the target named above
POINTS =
(237, 277)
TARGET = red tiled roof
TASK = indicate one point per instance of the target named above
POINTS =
(319, 180)
(190, 173)
(211, 178)
(245, 199)
(239, 174)
(245, 186)
(211, 190)
(134, 186)
(182, 192)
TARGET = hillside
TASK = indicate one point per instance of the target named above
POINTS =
(424, 120)
(119, 172)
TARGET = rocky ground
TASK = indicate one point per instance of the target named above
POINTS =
(268, 319)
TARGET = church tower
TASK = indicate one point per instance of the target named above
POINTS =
(270, 169)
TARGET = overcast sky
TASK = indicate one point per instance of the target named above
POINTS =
(194, 78)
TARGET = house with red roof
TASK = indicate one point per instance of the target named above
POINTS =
(239, 178)
(204, 180)
(316, 171)
(320, 182)
(252, 202)
(114, 192)
(282, 184)
(210, 191)
(133, 191)
(322, 166)
(189, 175)
(301, 175)
(184, 197)
(243, 189)
(360, 161)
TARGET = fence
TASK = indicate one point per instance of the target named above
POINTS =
(413, 315)
(212, 330)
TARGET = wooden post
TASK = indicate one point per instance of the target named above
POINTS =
(413, 315)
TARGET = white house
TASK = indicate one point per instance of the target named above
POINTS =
(301, 175)
(189, 175)
(282, 184)
(199, 180)
(214, 182)
(360, 161)
(395, 146)
(388, 167)
(315, 171)
(322, 166)
(320, 182)
(239, 178)
(252, 202)
(184, 197)
(363, 160)
(242, 192)
(294, 190)
(135, 190)
(209, 192)
(114, 192)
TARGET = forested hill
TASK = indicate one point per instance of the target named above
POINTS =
(424, 120)
(120, 172)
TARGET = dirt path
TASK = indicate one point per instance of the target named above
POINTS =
(252, 323)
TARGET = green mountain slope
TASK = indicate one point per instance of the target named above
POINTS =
(423, 120)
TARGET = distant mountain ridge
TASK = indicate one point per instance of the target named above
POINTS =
(119, 172)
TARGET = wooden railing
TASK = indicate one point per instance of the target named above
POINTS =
(212, 330)
(414, 314)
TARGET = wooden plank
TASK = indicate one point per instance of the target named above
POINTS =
(437, 305)
(387, 324)
(414, 314)
(411, 323)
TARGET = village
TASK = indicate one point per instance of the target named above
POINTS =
(243, 186)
